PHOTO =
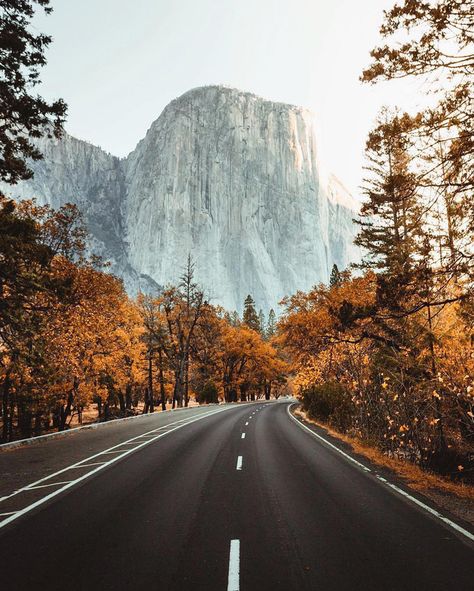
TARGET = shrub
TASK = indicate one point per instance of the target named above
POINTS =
(329, 402)
(209, 393)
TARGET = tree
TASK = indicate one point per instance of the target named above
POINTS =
(391, 217)
(335, 277)
(23, 116)
(271, 324)
(261, 323)
(30, 239)
(434, 41)
(155, 338)
(250, 316)
(387, 356)
(183, 306)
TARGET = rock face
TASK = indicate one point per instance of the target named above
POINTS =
(224, 175)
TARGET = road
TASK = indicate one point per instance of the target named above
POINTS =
(197, 505)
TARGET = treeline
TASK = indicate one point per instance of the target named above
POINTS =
(386, 352)
(70, 336)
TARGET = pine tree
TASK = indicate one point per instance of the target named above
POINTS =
(23, 115)
(432, 41)
(271, 324)
(250, 316)
(261, 322)
(392, 232)
(335, 277)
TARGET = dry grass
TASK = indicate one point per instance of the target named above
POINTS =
(413, 476)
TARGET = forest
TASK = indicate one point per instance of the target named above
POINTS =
(385, 353)
(71, 336)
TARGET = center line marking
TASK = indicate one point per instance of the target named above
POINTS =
(243, 435)
(233, 583)
(239, 463)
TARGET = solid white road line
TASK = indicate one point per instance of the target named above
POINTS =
(326, 442)
(9, 513)
(239, 463)
(97, 469)
(243, 436)
(233, 582)
(385, 482)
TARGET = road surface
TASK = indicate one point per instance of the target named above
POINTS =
(229, 498)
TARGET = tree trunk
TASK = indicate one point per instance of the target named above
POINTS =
(128, 397)
(25, 419)
(441, 443)
(121, 400)
(106, 410)
(161, 379)
(66, 411)
(186, 381)
(150, 384)
(6, 429)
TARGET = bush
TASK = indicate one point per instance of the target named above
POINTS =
(209, 393)
(329, 402)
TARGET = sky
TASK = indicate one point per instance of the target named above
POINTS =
(119, 63)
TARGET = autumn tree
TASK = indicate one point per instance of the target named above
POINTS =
(433, 41)
(183, 306)
(156, 340)
(30, 239)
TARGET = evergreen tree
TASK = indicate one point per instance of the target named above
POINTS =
(432, 41)
(23, 115)
(250, 316)
(271, 324)
(235, 318)
(261, 322)
(335, 277)
(392, 232)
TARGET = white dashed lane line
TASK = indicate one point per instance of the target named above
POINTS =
(239, 463)
(233, 582)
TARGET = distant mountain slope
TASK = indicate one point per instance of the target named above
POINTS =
(225, 175)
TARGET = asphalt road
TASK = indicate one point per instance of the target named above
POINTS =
(195, 506)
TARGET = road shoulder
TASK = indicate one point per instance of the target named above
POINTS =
(456, 505)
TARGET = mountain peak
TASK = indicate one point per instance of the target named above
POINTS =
(223, 174)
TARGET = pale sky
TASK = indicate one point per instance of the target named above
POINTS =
(117, 63)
